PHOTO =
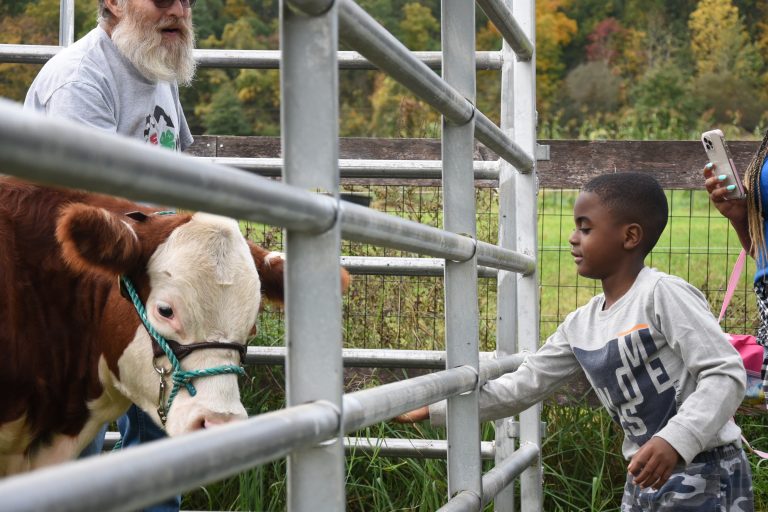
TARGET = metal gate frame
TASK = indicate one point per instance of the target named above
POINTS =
(52, 151)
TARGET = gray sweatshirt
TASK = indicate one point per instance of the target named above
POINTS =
(657, 359)
(92, 83)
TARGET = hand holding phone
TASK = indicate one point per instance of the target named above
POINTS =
(718, 153)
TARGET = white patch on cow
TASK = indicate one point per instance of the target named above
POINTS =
(205, 272)
(274, 255)
(14, 441)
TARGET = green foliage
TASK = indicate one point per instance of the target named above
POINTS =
(225, 115)
(421, 31)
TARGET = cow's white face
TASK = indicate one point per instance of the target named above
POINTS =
(204, 287)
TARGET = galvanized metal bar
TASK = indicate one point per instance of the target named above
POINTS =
(506, 284)
(495, 480)
(498, 478)
(465, 501)
(365, 225)
(66, 22)
(132, 479)
(354, 168)
(370, 406)
(360, 31)
(501, 16)
(27, 53)
(313, 327)
(373, 265)
(379, 447)
(413, 448)
(459, 214)
(526, 190)
(62, 153)
(391, 358)
(490, 135)
(246, 59)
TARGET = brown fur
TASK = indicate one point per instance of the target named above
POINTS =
(60, 307)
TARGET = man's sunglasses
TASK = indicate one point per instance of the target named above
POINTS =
(164, 4)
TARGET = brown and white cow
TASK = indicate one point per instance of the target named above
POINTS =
(73, 354)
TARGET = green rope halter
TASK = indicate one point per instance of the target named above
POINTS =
(179, 377)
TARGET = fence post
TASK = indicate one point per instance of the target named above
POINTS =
(309, 121)
(66, 22)
(461, 307)
(524, 116)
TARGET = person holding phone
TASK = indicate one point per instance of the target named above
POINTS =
(747, 216)
(123, 77)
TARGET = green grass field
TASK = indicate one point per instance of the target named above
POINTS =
(583, 469)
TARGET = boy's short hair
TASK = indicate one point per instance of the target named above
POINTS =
(634, 198)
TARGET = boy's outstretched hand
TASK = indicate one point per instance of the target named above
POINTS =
(420, 414)
(653, 463)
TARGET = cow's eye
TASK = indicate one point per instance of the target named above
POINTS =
(165, 310)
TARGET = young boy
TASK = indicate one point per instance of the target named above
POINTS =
(652, 351)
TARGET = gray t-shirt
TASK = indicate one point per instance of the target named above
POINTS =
(92, 83)
(657, 359)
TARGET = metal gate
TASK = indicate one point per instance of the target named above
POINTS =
(309, 431)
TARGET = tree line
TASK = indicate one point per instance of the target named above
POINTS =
(606, 69)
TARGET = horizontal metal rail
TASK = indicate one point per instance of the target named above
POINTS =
(64, 153)
(430, 267)
(411, 448)
(354, 168)
(494, 481)
(246, 59)
(370, 406)
(362, 224)
(368, 357)
(499, 13)
(360, 31)
(132, 479)
(379, 447)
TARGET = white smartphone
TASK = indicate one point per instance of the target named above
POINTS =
(718, 153)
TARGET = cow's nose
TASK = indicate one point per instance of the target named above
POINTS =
(215, 419)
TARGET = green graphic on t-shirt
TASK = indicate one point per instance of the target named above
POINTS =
(168, 139)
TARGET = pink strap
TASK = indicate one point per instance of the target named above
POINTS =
(733, 282)
(759, 453)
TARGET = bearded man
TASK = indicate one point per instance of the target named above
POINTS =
(122, 77)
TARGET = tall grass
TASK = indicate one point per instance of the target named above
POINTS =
(581, 453)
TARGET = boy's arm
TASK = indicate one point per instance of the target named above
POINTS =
(683, 315)
(540, 374)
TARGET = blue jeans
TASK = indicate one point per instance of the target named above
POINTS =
(135, 428)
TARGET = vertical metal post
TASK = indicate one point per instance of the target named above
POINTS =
(461, 308)
(506, 282)
(309, 125)
(517, 296)
(526, 191)
(66, 22)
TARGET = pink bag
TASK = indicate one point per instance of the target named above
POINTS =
(751, 352)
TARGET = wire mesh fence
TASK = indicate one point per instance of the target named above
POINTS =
(406, 312)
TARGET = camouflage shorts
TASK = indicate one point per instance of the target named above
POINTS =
(719, 480)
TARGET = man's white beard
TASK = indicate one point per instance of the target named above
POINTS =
(142, 44)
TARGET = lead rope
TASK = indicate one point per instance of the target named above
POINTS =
(179, 377)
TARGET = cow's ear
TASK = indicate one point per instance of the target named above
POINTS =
(270, 266)
(93, 239)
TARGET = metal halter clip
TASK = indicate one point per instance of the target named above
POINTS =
(161, 409)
